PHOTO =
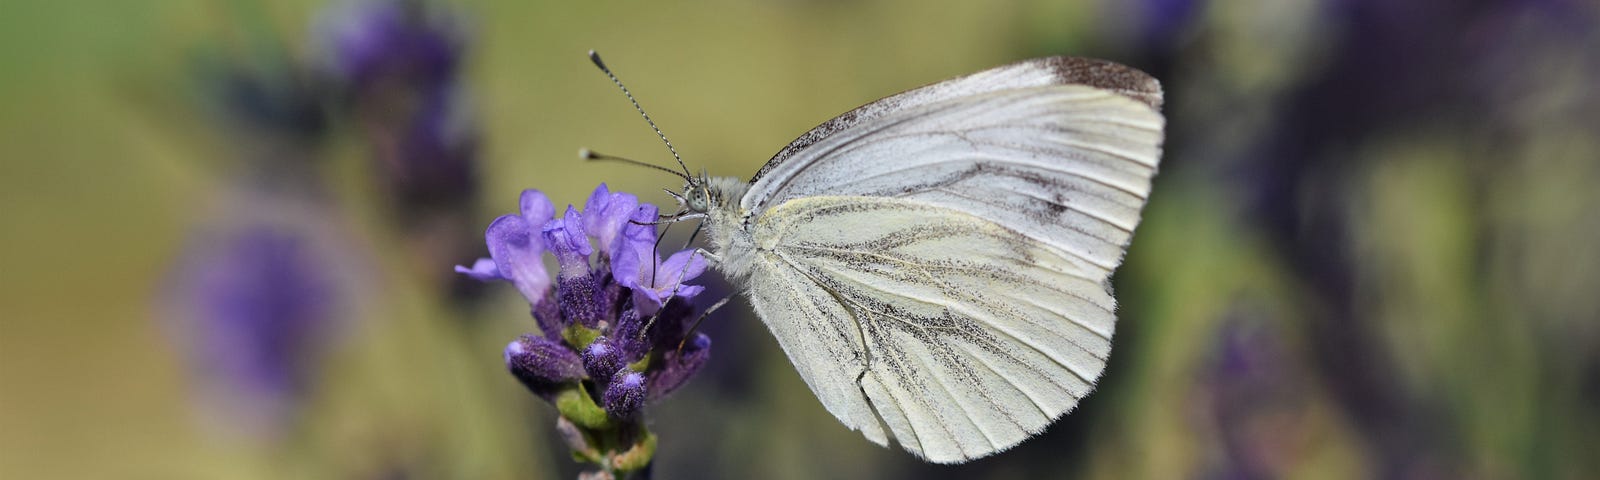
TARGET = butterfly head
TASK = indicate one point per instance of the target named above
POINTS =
(697, 196)
(703, 195)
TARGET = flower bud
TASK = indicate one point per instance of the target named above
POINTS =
(626, 394)
(576, 289)
(601, 360)
(542, 364)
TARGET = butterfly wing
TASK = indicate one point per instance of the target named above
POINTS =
(936, 269)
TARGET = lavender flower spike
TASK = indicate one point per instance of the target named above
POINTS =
(599, 358)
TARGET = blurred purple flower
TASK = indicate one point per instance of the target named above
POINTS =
(609, 332)
(375, 41)
(1257, 400)
(256, 306)
(1163, 21)
(398, 65)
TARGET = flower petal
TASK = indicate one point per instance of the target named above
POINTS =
(483, 270)
(536, 208)
(518, 254)
(681, 267)
(633, 252)
(565, 235)
(606, 215)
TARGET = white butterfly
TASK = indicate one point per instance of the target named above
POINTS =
(936, 263)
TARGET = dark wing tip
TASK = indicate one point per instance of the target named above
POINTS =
(1124, 80)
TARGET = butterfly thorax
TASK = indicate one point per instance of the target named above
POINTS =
(718, 199)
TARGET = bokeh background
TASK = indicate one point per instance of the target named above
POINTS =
(227, 228)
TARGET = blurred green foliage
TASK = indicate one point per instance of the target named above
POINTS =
(1412, 297)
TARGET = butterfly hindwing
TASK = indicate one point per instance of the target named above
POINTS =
(935, 264)
(964, 337)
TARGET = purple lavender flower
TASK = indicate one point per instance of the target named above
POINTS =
(606, 216)
(636, 265)
(397, 63)
(1163, 21)
(386, 40)
(259, 307)
(610, 331)
(515, 250)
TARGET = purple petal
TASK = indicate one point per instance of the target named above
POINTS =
(689, 291)
(647, 301)
(633, 252)
(519, 255)
(536, 208)
(606, 215)
(682, 267)
(626, 395)
(483, 270)
(565, 235)
(669, 276)
(629, 262)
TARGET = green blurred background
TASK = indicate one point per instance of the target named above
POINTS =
(1372, 252)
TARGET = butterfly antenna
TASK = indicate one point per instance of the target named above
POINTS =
(697, 321)
(588, 154)
(595, 57)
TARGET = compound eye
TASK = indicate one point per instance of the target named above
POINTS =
(694, 199)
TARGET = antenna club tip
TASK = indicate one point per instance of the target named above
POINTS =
(586, 153)
(595, 57)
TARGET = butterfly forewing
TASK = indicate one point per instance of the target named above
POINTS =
(935, 263)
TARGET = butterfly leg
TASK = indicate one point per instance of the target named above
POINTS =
(706, 254)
